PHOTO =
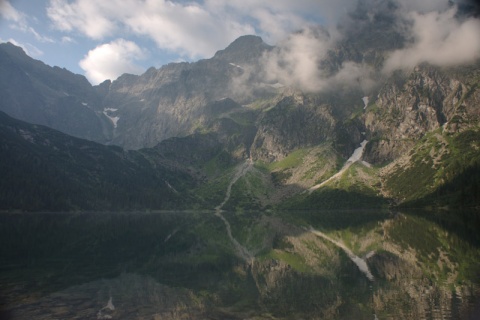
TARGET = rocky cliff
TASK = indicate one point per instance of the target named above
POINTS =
(174, 100)
(37, 93)
(415, 103)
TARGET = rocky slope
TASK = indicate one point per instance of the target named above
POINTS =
(174, 100)
(45, 170)
(37, 93)
(419, 102)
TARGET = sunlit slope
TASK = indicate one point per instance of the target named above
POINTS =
(442, 169)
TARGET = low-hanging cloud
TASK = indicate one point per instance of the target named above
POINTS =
(438, 38)
(193, 29)
(274, 20)
(297, 61)
(110, 60)
(434, 30)
(197, 29)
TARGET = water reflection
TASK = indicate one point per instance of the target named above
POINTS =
(174, 265)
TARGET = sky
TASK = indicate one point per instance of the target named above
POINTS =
(104, 39)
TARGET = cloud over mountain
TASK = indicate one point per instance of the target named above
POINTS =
(438, 38)
(110, 60)
(440, 32)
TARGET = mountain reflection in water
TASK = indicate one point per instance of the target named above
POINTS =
(182, 265)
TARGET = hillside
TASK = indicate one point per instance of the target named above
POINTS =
(45, 170)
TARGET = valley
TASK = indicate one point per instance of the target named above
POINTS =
(335, 175)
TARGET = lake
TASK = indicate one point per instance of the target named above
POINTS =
(241, 265)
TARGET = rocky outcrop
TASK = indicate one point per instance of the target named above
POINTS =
(295, 121)
(408, 107)
(172, 101)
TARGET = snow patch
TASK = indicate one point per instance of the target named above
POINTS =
(235, 65)
(365, 102)
(277, 85)
(108, 113)
(170, 187)
(170, 235)
(356, 156)
(105, 312)
(26, 135)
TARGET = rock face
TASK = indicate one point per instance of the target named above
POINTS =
(132, 111)
(172, 101)
(36, 93)
(411, 105)
(295, 121)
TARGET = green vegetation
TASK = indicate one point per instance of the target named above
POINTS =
(356, 188)
(294, 159)
(444, 170)
(43, 169)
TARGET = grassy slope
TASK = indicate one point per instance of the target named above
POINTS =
(444, 169)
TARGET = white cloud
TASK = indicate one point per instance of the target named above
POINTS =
(186, 29)
(66, 39)
(295, 61)
(439, 39)
(110, 60)
(8, 12)
(190, 28)
(275, 19)
(19, 21)
(92, 18)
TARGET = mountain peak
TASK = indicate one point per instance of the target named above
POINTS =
(12, 49)
(245, 41)
(243, 49)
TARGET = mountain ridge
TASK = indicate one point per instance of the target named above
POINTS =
(297, 139)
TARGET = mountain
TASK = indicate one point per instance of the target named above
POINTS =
(37, 93)
(43, 169)
(172, 101)
(364, 137)
(277, 201)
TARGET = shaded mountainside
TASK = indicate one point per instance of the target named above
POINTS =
(34, 92)
(43, 169)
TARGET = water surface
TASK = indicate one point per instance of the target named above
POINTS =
(188, 265)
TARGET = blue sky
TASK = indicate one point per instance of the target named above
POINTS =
(104, 39)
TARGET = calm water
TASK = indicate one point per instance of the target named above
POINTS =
(187, 265)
